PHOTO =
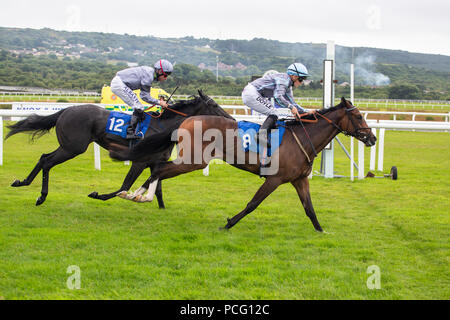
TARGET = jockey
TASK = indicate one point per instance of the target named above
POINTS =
(256, 95)
(141, 78)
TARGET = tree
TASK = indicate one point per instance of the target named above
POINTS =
(404, 91)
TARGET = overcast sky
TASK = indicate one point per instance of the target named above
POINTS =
(411, 25)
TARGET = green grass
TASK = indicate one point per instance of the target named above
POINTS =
(136, 251)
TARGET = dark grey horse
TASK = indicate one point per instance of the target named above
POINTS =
(78, 126)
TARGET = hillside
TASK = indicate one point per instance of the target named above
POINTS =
(237, 58)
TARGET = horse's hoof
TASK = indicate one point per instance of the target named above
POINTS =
(228, 225)
(93, 195)
(16, 183)
(122, 194)
(40, 201)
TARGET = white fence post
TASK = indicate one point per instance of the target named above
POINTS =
(360, 160)
(1, 141)
(373, 151)
(352, 159)
(381, 149)
(98, 165)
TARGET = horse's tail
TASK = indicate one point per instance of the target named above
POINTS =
(35, 124)
(155, 143)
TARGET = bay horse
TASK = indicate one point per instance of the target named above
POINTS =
(295, 155)
(76, 127)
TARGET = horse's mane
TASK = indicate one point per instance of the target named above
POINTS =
(194, 100)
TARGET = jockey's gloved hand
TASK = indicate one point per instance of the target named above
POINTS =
(163, 103)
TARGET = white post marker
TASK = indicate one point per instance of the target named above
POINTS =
(352, 83)
(373, 151)
(1, 141)
(98, 165)
(381, 149)
(360, 160)
(328, 101)
(352, 159)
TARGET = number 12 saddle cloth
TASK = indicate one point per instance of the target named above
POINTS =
(118, 123)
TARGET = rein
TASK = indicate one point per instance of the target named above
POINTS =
(168, 100)
(315, 120)
(167, 108)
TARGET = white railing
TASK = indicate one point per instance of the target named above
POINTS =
(394, 114)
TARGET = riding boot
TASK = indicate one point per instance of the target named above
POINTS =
(263, 134)
(137, 116)
(263, 137)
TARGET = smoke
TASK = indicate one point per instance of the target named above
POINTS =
(364, 70)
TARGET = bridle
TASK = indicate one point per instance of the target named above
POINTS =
(355, 134)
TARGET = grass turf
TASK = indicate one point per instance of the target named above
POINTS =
(136, 251)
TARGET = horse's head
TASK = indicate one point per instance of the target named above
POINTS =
(353, 124)
(210, 107)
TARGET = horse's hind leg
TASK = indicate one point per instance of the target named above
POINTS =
(33, 173)
(302, 187)
(267, 188)
(134, 172)
(53, 159)
(159, 196)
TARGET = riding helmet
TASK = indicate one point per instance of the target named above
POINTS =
(298, 69)
(165, 66)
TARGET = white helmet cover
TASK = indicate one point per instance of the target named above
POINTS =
(165, 66)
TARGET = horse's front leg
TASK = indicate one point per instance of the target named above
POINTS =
(266, 189)
(302, 187)
(134, 172)
(164, 171)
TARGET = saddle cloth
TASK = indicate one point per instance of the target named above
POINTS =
(118, 123)
(247, 134)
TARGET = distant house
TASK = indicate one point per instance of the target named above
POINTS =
(344, 84)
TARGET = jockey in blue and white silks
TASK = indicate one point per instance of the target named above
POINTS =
(141, 78)
(257, 94)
